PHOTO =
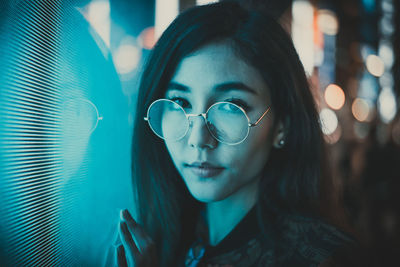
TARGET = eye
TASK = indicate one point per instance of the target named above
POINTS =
(181, 102)
(240, 103)
(228, 107)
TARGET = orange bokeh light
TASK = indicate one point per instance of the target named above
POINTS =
(147, 38)
(334, 96)
(360, 109)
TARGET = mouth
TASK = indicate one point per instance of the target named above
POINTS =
(204, 169)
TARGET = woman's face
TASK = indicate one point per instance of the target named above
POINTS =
(212, 74)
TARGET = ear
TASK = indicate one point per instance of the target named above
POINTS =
(280, 134)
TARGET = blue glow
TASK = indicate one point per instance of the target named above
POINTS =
(369, 87)
(369, 5)
(64, 140)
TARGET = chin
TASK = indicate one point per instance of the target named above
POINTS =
(206, 199)
(206, 190)
(207, 196)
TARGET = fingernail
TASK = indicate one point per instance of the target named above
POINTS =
(121, 215)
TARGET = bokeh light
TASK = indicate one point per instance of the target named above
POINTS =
(387, 6)
(147, 38)
(375, 65)
(205, 2)
(369, 5)
(329, 121)
(387, 105)
(334, 96)
(98, 15)
(360, 109)
(126, 58)
(328, 22)
(386, 26)
(166, 11)
(303, 33)
(386, 54)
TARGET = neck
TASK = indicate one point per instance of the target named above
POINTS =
(222, 216)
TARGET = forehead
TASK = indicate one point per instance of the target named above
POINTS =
(217, 64)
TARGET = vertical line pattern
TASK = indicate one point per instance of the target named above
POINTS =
(30, 137)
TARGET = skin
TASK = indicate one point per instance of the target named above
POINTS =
(229, 195)
(137, 248)
(200, 73)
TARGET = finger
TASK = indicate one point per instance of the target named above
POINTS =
(121, 259)
(142, 239)
(131, 251)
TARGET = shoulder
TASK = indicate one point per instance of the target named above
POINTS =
(311, 239)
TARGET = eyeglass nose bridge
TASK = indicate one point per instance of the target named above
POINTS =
(204, 115)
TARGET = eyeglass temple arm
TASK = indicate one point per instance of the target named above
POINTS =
(262, 116)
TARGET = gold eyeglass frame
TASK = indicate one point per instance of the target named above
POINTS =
(204, 115)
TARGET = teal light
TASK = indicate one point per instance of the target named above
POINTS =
(369, 5)
(64, 139)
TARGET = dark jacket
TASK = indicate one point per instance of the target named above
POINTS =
(302, 241)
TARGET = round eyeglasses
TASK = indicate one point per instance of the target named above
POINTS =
(227, 122)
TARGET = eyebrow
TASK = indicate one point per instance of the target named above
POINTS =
(223, 87)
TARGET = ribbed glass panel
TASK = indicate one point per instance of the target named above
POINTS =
(30, 135)
(64, 173)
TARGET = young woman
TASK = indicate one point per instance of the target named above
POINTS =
(227, 149)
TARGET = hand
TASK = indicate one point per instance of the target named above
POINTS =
(137, 248)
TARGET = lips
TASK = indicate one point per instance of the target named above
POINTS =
(204, 169)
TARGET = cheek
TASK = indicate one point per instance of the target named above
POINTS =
(254, 152)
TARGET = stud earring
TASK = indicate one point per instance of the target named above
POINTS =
(281, 143)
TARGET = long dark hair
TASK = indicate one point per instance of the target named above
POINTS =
(291, 181)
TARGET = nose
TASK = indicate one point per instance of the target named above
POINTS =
(198, 135)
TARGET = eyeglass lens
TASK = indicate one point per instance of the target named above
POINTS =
(226, 122)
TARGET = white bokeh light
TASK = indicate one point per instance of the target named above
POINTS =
(303, 33)
(329, 121)
(328, 22)
(126, 58)
(98, 15)
(205, 2)
(387, 105)
(386, 54)
(375, 65)
(166, 11)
